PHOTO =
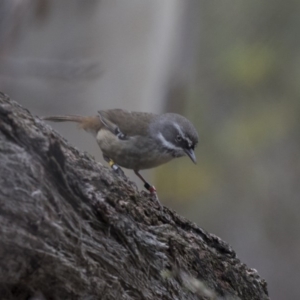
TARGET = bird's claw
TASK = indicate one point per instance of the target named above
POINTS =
(115, 167)
(153, 193)
(150, 188)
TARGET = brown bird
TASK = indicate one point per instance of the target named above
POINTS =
(138, 140)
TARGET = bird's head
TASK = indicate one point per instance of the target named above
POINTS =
(176, 135)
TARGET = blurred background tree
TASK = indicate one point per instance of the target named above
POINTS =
(231, 67)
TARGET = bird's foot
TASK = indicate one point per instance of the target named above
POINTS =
(115, 167)
(153, 193)
(150, 188)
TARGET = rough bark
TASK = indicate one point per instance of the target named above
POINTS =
(73, 229)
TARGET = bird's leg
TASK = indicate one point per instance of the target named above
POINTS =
(147, 186)
(112, 164)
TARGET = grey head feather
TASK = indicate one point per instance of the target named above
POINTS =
(176, 134)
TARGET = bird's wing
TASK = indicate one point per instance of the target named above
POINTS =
(126, 122)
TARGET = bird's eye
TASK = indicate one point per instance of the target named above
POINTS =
(178, 138)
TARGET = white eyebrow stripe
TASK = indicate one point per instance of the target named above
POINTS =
(190, 143)
(166, 143)
(179, 130)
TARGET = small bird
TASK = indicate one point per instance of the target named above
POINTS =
(138, 140)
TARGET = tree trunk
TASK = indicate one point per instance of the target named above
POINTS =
(73, 229)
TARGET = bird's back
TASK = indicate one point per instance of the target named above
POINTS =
(130, 123)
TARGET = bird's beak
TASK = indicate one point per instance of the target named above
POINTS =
(191, 154)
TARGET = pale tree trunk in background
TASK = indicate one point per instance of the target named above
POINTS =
(136, 44)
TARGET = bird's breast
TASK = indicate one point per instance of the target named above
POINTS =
(135, 152)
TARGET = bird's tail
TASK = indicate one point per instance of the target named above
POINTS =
(90, 124)
(69, 118)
